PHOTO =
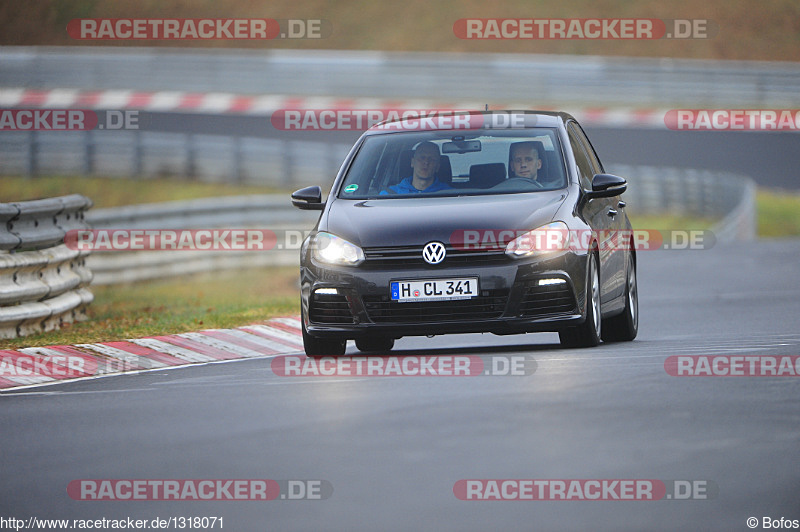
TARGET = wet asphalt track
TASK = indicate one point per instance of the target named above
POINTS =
(393, 448)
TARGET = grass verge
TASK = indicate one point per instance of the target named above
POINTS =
(669, 222)
(778, 213)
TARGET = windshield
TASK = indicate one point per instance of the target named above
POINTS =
(452, 163)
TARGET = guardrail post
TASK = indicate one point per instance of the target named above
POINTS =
(190, 156)
(238, 155)
(33, 154)
(89, 149)
(288, 162)
(138, 155)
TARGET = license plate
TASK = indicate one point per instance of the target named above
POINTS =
(434, 289)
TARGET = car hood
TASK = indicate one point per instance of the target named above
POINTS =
(416, 221)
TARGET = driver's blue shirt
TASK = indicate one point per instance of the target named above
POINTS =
(405, 187)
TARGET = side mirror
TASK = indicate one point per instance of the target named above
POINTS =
(308, 199)
(607, 186)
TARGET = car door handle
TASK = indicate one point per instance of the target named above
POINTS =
(621, 204)
(611, 213)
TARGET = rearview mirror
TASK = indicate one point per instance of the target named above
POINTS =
(461, 146)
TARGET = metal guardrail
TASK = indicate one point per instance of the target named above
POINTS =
(727, 197)
(243, 160)
(268, 211)
(533, 79)
(257, 210)
(43, 283)
(741, 222)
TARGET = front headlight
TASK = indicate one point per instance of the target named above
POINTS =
(548, 238)
(334, 250)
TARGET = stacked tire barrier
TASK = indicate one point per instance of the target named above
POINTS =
(43, 283)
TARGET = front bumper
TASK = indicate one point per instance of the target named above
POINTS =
(511, 299)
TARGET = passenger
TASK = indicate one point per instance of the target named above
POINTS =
(425, 163)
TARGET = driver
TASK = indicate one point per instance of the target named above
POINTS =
(425, 164)
(526, 159)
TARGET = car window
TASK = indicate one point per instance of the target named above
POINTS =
(470, 163)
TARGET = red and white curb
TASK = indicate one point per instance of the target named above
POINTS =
(35, 366)
(264, 105)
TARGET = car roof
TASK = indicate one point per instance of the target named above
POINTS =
(444, 120)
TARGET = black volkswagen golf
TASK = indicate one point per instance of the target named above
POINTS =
(501, 222)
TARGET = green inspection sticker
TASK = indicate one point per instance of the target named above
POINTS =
(351, 188)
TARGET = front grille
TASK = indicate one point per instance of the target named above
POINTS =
(540, 301)
(490, 304)
(329, 308)
(411, 256)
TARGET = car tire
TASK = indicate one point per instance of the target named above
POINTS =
(322, 347)
(373, 343)
(623, 328)
(588, 333)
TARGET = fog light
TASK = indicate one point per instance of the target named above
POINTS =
(327, 291)
(548, 282)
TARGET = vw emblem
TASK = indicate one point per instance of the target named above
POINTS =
(433, 252)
